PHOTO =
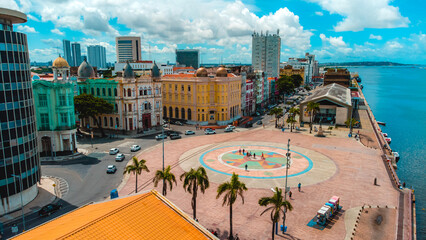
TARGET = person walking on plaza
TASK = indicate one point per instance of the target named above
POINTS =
(290, 193)
(14, 229)
(246, 167)
(299, 186)
(254, 155)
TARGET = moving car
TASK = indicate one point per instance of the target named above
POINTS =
(231, 127)
(111, 169)
(161, 136)
(228, 129)
(113, 151)
(209, 131)
(135, 148)
(49, 209)
(174, 136)
(178, 123)
(189, 132)
(120, 157)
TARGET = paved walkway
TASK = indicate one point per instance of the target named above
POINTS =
(356, 166)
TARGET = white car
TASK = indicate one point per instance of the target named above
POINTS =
(113, 151)
(161, 136)
(209, 131)
(135, 148)
(189, 132)
(111, 169)
(231, 127)
(120, 157)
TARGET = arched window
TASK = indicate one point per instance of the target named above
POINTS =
(170, 112)
(140, 92)
(149, 91)
(145, 92)
(105, 121)
(92, 90)
(189, 114)
(84, 90)
(156, 91)
(117, 123)
(111, 123)
(124, 92)
(182, 113)
(115, 92)
(116, 107)
(98, 92)
(99, 121)
(176, 112)
(109, 92)
(164, 112)
(129, 92)
(103, 92)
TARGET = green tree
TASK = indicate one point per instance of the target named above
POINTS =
(297, 80)
(285, 85)
(277, 112)
(291, 120)
(293, 112)
(168, 177)
(192, 180)
(277, 205)
(232, 190)
(351, 122)
(87, 105)
(312, 107)
(136, 168)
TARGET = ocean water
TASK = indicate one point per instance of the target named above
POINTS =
(397, 96)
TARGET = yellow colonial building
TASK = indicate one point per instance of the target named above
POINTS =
(289, 71)
(202, 98)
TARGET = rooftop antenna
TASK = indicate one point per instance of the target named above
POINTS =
(149, 51)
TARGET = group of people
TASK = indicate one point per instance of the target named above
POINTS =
(248, 153)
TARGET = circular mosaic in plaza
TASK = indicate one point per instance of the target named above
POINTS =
(254, 159)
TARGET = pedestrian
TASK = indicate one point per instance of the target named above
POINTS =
(246, 167)
(239, 151)
(282, 129)
(243, 151)
(290, 193)
(262, 155)
(263, 125)
(236, 237)
(254, 155)
(299, 186)
(14, 229)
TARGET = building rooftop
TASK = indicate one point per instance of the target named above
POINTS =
(13, 15)
(336, 92)
(147, 215)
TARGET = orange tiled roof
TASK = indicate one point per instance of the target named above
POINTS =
(143, 216)
(183, 68)
(181, 75)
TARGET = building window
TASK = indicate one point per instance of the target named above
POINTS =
(176, 112)
(170, 112)
(92, 90)
(130, 107)
(109, 92)
(182, 113)
(42, 100)
(149, 91)
(105, 122)
(115, 92)
(175, 87)
(103, 92)
(111, 123)
(62, 100)
(202, 117)
(117, 124)
(165, 111)
(124, 92)
(116, 107)
(157, 105)
(189, 114)
(189, 88)
(183, 88)
(129, 92)
(44, 119)
(64, 118)
(140, 92)
(98, 92)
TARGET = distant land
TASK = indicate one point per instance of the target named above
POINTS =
(363, 64)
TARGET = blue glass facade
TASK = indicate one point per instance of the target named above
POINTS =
(18, 140)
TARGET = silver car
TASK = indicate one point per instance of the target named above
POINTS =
(120, 157)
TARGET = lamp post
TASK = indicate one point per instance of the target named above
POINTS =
(285, 190)
(22, 201)
(162, 136)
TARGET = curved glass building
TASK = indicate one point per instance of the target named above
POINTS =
(19, 161)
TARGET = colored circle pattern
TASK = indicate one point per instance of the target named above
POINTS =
(255, 159)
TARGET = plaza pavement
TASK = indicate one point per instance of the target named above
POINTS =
(355, 165)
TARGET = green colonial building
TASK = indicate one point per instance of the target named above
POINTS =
(54, 106)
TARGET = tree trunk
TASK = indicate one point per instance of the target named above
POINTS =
(99, 126)
(136, 187)
(273, 230)
(194, 200)
(164, 188)
(231, 236)
(310, 130)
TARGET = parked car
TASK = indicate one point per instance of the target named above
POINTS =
(189, 132)
(111, 169)
(259, 122)
(228, 129)
(174, 136)
(120, 157)
(160, 136)
(249, 125)
(178, 123)
(231, 127)
(209, 131)
(49, 209)
(113, 151)
(135, 148)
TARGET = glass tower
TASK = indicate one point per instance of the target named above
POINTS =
(67, 50)
(76, 54)
(19, 161)
(188, 57)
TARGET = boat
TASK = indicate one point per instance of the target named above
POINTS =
(381, 123)
(396, 156)
(385, 134)
(389, 140)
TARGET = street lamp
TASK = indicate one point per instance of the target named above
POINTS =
(162, 136)
(285, 189)
(22, 201)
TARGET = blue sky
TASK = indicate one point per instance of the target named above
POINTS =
(333, 30)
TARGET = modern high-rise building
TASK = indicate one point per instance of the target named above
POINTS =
(266, 51)
(19, 160)
(97, 56)
(188, 57)
(128, 49)
(67, 50)
(76, 54)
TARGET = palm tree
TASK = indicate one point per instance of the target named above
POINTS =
(312, 107)
(351, 122)
(231, 189)
(193, 180)
(167, 176)
(137, 167)
(278, 205)
(293, 112)
(277, 112)
(291, 120)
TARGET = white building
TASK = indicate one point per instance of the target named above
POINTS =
(308, 63)
(97, 56)
(128, 49)
(266, 51)
(143, 67)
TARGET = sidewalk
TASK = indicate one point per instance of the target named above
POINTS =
(46, 194)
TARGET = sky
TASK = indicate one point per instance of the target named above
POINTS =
(333, 30)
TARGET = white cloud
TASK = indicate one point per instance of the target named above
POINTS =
(377, 37)
(319, 13)
(57, 31)
(44, 54)
(361, 14)
(33, 18)
(27, 29)
(334, 41)
(54, 43)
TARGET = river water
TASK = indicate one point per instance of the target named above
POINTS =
(397, 96)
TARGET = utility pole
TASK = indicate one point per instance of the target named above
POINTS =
(285, 190)
(22, 201)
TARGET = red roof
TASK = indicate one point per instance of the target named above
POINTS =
(183, 68)
(146, 61)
